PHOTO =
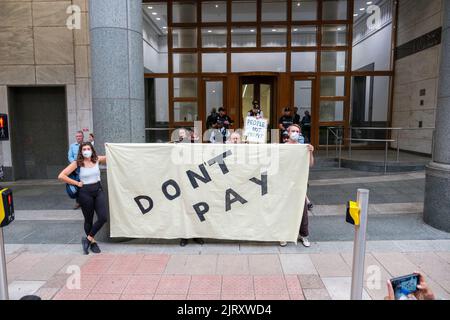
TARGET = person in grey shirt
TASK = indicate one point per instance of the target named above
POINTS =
(73, 154)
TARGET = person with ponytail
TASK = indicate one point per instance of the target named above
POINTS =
(91, 196)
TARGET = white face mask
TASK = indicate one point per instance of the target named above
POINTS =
(87, 154)
(294, 136)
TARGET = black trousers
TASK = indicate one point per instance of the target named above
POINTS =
(304, 232)
(92, 199)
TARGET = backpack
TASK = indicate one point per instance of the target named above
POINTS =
(72, 191)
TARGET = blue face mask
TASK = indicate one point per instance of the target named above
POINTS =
(294, 136)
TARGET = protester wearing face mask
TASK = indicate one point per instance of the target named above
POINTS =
(91, 196)
(294, 134)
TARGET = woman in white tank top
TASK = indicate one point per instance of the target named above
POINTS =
(90, 196)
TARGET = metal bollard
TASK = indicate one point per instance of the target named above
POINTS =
(359, 247)
(3, 276)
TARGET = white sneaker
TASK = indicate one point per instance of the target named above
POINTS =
(283, 243)
(305, 242)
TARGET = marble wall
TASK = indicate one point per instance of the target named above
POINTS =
(416, 76)
(37, 48)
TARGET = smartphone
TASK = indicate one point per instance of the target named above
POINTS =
(404, 286)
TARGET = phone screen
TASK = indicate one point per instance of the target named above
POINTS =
(404, 286)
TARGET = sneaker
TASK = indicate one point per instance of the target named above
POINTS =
(95, 248)
(305, 242)
(183, 242)
(310, 206)
(85, 243)
(283, 243)
(200, 241)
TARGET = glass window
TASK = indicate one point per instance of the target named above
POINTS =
(331, 111)
(214, 62)
(185, 87)
(214, 95)
(304, 10)
(184, 38)
(274, 10)
(214, 37)
(157, 110)
(184, 12)
(334, 35)
(243, 37)
(334, 10)
(243, 10)
(304, 36)
(273, 37)
(154, 34)
(303, 61)
(332, 86)
(184, 62)
(258, 61)
(214, 11)
(333, 61)
(185, 111)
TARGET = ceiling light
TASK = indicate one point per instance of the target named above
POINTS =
(295, 29)
(369, 2)
(362, 9)
(154, 13)
(298, 4)
(209, 31)
(164, 27)
(150, 8)
(158, 19)
(217, 5)
(252, 30)
(355, 15)
(274, 30)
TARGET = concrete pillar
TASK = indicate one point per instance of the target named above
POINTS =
(437, 186)
(118, 101)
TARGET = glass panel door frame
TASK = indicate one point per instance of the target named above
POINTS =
(257, 81)
(314, 106)
(203, 103)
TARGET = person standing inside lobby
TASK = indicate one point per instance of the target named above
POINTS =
(73, 154)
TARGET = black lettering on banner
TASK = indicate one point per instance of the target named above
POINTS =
(205, 178)
(174, 184)
(220, 161)
(141, 206)
(262, 182)
(228, 201)
(201, 209)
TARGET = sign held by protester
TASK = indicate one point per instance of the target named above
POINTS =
(256, 129)
(235, 192)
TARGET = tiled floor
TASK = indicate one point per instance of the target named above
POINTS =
(246, 276)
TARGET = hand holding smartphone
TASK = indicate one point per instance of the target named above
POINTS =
(404, 286)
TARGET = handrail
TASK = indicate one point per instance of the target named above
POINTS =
(386, 141)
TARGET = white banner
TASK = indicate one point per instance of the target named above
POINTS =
(235, 192)
(256, 129)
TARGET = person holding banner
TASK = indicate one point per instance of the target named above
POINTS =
(91, 196)
(222, 125)
(235, 138)
(294, 134)
(185, 136)
(256, 111)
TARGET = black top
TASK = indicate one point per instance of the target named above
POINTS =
(211, 120)
(306, 121)
(220, 121)
(296, 118)
(286, 121)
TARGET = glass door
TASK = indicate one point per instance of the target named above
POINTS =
(258, 89)
(214, 97)
(303, 100)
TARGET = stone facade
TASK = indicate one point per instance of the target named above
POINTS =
(416, 76)
(37, 48)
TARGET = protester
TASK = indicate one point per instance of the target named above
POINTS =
(185, 136)
(211, 118)
(235, 138)
(256, 111)
(285, 121)
(221, 125)
(423, 290)
(296, 116)
(73, 153)
(91, 196)
(294, 132)
(306, 126)
(91, 139)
